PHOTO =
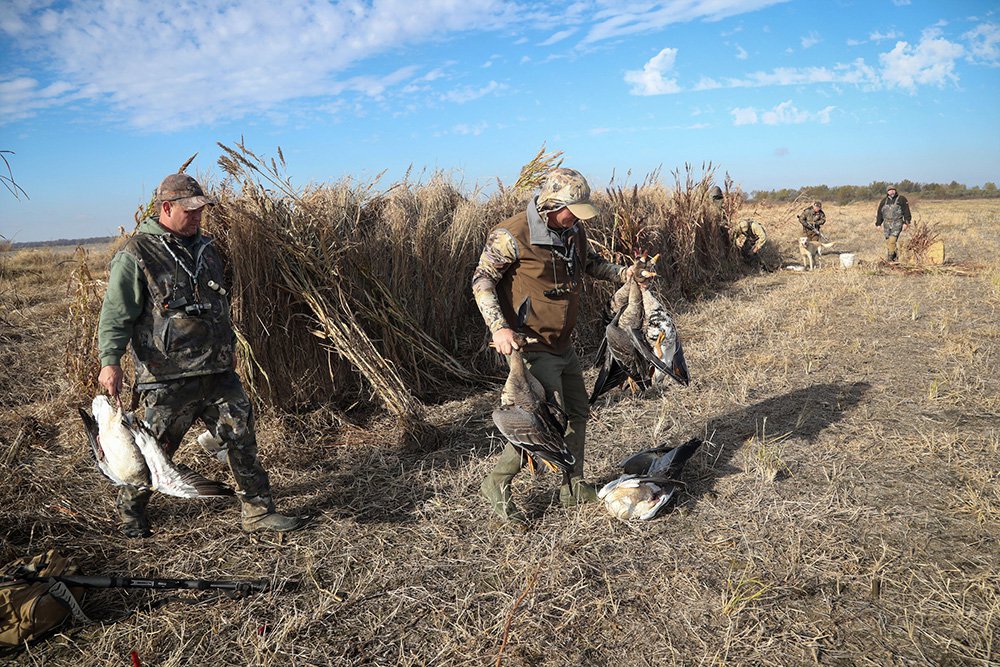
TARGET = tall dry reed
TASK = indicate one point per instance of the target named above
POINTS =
(356, 290)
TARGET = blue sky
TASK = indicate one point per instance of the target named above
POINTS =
(99, 99)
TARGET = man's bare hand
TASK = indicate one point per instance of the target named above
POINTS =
(505, 341)
(643, 280)
(110, 379)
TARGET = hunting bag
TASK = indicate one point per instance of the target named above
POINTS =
(28, 610)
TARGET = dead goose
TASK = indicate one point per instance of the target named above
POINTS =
(641, 342)
(649, 484)
(530, 418)
(128, 454)
(661, 336)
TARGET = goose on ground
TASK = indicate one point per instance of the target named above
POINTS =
(648, 485)
(128, 454)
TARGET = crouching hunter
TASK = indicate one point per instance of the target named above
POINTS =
(166, 296)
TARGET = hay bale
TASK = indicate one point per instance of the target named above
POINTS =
(935, 253)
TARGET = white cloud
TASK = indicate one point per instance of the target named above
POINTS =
(741, 53)
(984, 44)
(649, 80)
(882, 36)
(466, 129)
(558, 37)
(469, 93)
(744, 116)
(244, 57)
(930, 62)
(785, 113)
(810, 40)
(854, 42)
(856, 72)
(900, 3)
(22, 97)
(620, 19)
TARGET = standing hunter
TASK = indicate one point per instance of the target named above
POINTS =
(812, 218)
(893, 217)
(165, 295)
(748, 235)
(542, 255)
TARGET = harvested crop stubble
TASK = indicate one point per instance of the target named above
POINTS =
(876, 546)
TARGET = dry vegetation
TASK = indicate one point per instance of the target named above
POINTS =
(845, 511)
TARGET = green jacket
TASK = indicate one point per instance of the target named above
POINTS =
(166, 296)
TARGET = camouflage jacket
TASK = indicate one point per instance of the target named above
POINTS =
(810, 217)
(749, 230)
(894, 212)
(524, 258)
(167, 297)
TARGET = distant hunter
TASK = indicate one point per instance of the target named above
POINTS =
(893, 216)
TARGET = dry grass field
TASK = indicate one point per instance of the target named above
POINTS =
(845, 510)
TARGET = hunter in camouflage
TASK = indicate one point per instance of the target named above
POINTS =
(812, 218)
(893, 216)
(539, 258)
(750, 237)
(166, 297)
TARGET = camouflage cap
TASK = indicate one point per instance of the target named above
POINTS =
(890, 187)
(817, 204)
(716, 192)
(184, 191)
(566, 187)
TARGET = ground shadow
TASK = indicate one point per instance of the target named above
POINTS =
(376, 479)
(805, 413)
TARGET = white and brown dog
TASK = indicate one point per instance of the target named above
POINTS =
(811, 251)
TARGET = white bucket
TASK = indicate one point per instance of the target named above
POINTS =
(847, 259)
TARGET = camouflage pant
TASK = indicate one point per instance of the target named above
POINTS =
(892, 230)
(219, 401)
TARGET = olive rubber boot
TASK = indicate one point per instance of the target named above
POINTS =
(259, 515)
(496, 488)
(574, 491)
(131, 506)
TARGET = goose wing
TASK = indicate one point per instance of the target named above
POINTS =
(670, 464)
(174, 479)
(617, 357)
(534, 430)
(93, 436)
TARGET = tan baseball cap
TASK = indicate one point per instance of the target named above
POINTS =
(567, 187)
(184, 191)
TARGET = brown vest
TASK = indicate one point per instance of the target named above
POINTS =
(542, 275)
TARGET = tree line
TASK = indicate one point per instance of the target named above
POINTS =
(845, 194)
(6, 244)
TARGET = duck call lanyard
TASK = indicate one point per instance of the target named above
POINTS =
(568, 255)
(197, 264)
